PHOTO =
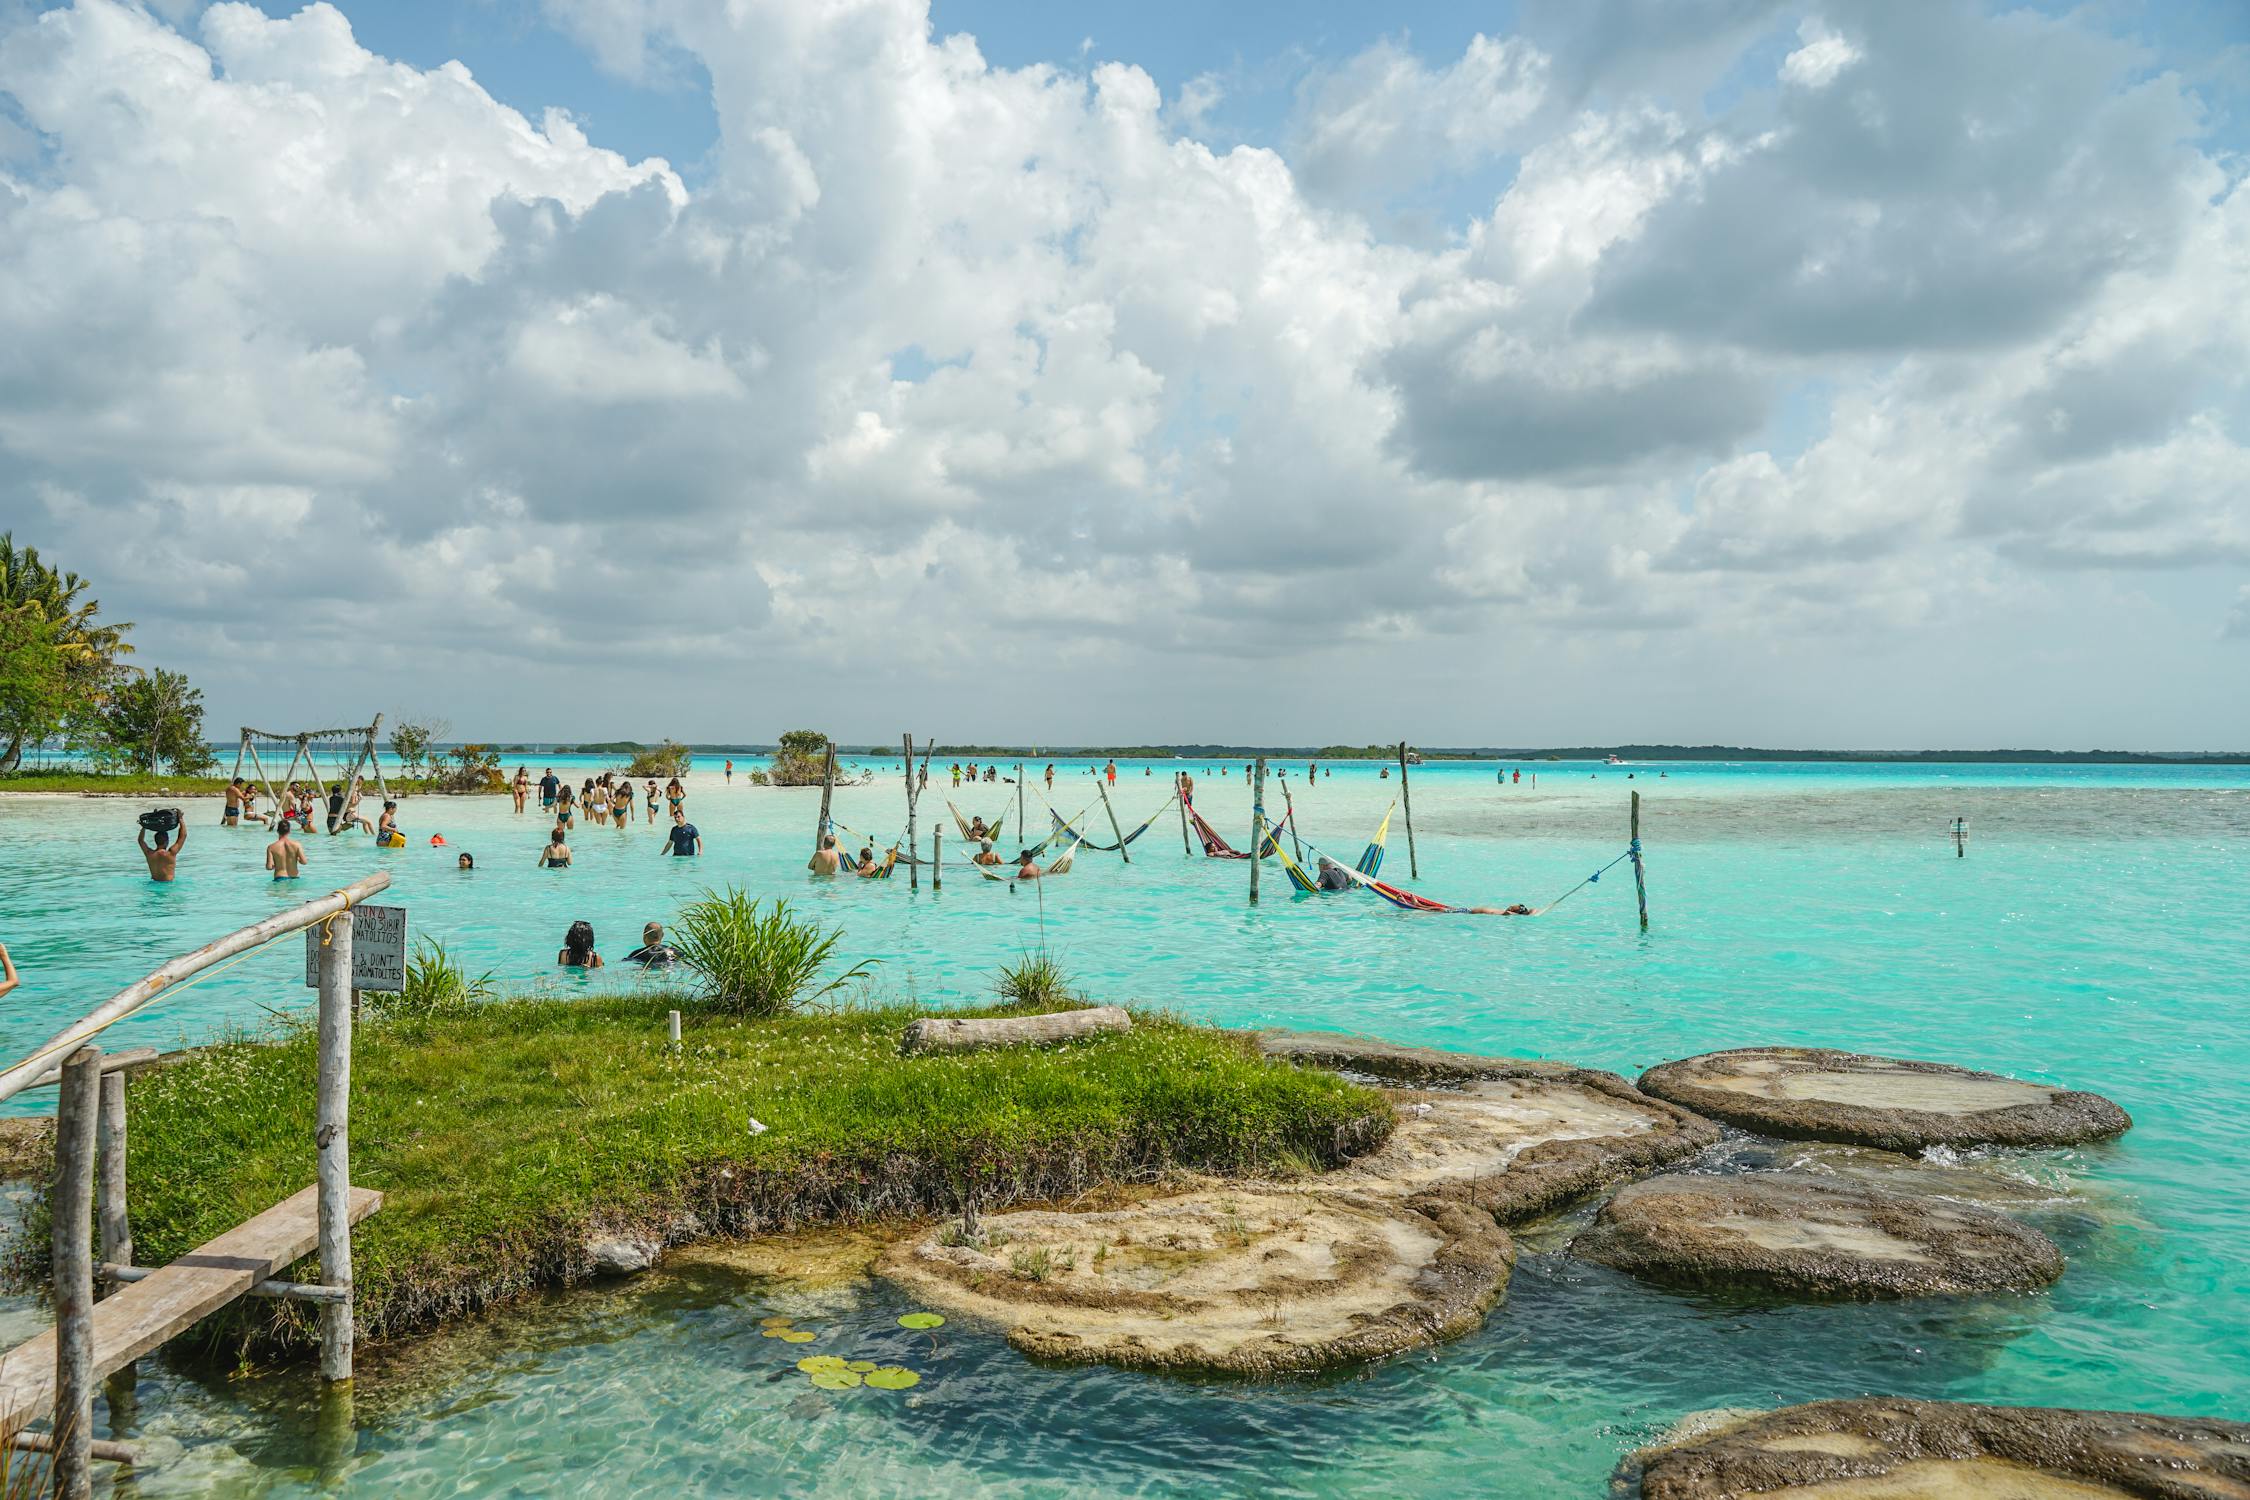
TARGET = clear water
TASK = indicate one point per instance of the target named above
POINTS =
(2092, 936)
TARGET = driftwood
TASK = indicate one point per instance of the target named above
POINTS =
(945, 1034)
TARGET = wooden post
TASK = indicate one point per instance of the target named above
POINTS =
(913, 843)
(1960, 838)
(239, 751)
(1257, 827)
(1290, 803)
(332, 1139)
(937, 855)
(115, 1225)
(827, 790)
(1019, 799)
(1640, 879)
(375, 761)
(72, 1205)
(1406, 795)
(1179, 795)
(1114, 831)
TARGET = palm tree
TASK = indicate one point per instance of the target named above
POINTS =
(91, 646)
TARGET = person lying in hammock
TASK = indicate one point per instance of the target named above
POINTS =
(1517, 910)
(1332, 876)
(866, 864)
(977, 830)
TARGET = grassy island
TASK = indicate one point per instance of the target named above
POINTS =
(506, 1134)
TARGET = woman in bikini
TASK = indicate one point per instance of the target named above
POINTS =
(556, 856)
(597, 804)
(675, 794)
(565, 811)
(621, 805)
(521, 786)
(578, 948)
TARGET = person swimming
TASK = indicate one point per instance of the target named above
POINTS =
(556, 855)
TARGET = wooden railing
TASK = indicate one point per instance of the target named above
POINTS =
(148, 1305)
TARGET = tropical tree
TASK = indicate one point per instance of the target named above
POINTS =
(801, 759)
(34, 681)
(155, 719)
(412, 739)
(91, 650)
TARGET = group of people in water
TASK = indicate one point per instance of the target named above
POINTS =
(300, 806)
(604, 799)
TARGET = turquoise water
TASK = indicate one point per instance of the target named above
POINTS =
(2092, 936)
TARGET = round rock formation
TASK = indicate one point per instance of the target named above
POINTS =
(1891, 1449)
(1516, 1138)
(1257, 1279)
(1787, 1233)
(1892, 1103)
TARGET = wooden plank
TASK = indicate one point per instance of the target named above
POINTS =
(144, 1314)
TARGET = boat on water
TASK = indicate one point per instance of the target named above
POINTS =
(1613, 761)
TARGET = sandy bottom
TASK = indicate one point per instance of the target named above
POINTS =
(1883, 1088)
(1220, 1278)
(1455, 1138)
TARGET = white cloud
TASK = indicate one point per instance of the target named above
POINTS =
(1945, 317)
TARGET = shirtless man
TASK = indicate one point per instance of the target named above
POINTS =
(986, 855)
(285, 856)
(1027, 868)
(825, 860)
(232, 817)
(163, 855)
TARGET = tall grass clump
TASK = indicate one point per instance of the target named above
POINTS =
(435, 986)
(751, 962)
(1035, 980)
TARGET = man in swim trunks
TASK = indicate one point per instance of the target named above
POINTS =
(285, 856)
(547, 786)
(163, 855)
(232, 817)
(825, 860)
(682, 839)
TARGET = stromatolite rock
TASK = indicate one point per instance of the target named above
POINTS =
(1256, 1278)
(1895, 1104)
(1892, 1449)
(1516, 1138)
(1785, 1232)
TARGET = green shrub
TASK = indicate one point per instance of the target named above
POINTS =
(1035, 980)
(668, 759)
(751, 963)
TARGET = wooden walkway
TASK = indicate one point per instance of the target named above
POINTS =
(140, 1315)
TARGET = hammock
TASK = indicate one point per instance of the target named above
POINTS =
(1005, 873)
(1218, 848)
(992, 830)
(1390, 893)
(1371, 858)
(1146, 824)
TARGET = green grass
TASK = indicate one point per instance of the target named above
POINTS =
(503, 1136)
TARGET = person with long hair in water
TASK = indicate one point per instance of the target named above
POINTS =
(578, 948)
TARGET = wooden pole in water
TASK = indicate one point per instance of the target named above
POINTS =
(1114, 831)
(937, 854)
(1640, 878)
(332, 1140)
(1290, 803)
(1406, 795)
(1179, 795)
(913, 841)
(1960, 838)
(72, 1203)
(1257, 827)
(827, 790)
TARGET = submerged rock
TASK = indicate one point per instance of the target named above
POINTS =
(1257, 1279)
(1516, 1138)
(1789, 1233)
(1893, 1103)
(1893, 1449)
(622, 1257)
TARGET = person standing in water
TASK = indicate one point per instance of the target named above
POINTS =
(521, 788)
(556, 856)
(578, 948)
(285, 856)
(682, 839)
(825, 860)
(549, 784)
(163, 855)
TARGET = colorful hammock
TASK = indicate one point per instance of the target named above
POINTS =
(1371, 858)
(1007, 872)
(992, 831)
(1216, 847)
(1146, 824)
(1390, 893)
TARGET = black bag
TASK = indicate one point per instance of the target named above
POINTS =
(161, 819)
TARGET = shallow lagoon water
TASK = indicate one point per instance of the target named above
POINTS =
(2091, 937)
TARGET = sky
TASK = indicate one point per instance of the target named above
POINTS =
(1842, 375)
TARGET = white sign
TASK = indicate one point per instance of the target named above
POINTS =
(378, 949)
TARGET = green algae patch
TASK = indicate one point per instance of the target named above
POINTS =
(504, 1138)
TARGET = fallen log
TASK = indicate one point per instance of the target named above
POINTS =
(945, 1034)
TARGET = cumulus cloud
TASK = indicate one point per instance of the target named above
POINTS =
(947, 373)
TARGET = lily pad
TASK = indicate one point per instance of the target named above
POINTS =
(861, 1365)
(921, 1320)
(835, 1380)
(814, 1364)
(893, 1378)
(795, 1335)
